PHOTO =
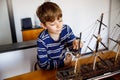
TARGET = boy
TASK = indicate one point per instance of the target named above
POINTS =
(55, 38)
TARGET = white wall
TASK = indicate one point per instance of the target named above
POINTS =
(5, 33)
(79, 14)
(17, 62)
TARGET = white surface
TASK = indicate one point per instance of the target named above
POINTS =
(17, 62)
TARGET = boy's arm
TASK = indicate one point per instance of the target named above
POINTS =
(70, 37)
(46, 62)
(73, 42)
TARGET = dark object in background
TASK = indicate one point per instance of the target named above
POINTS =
(26, 23)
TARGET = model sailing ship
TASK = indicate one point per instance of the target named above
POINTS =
(98, 63)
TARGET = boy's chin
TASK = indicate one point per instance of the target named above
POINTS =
(58, 32)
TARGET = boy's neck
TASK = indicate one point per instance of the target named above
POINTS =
(54, 36)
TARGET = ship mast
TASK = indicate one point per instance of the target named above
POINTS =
(97, 42)
(77, 58)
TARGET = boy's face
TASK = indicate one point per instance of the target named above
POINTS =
(54, 27)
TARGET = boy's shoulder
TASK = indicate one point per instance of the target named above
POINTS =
(43, 34)
(65, 26)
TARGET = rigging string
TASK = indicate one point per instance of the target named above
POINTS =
(112, 22)
(114, 47)
(91, 37)
(115, 28)
(116, 43)
(92, 30)
(114, 31)
(88, 44)
(105, 13)
(117, 16)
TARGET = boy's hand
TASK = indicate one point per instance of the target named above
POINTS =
(68, 59)
(76, 44)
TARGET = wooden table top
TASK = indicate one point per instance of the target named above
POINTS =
(36, 75)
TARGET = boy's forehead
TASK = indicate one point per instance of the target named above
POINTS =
(49, 22)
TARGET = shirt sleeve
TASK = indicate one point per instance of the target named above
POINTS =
(44, 61)
(71, 37)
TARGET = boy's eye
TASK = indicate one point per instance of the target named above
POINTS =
(60, 20)
(55, 22)
(52, 24)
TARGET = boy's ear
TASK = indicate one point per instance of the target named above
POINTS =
(43, 26)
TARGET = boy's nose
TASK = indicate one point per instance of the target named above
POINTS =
(58, 25)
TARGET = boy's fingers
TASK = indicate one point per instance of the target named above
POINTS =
(75, 46)
(68, 55)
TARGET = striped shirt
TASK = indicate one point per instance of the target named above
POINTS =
(50, 52)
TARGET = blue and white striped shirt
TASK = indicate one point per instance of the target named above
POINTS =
(49, 50)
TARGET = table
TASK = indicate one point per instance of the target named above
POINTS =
(51, 75)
